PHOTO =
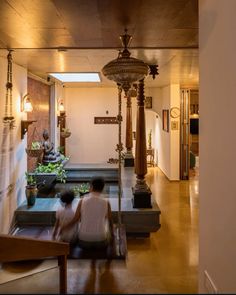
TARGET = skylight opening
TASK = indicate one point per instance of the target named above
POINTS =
(76, 77)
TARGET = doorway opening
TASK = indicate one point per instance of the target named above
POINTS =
(189, 134)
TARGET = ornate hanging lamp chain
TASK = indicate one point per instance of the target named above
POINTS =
(9, 117)
(119, 149)
(6, 107)
(10, 81)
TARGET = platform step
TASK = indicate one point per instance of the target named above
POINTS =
(43, 213)
(117, 250)
(85, 172)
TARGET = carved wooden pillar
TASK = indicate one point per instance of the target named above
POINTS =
(141, 192)
(129, 158)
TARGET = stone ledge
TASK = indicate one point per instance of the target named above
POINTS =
(136, 220)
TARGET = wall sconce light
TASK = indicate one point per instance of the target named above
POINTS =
(62, 114)
(26, 105)
(61, 107)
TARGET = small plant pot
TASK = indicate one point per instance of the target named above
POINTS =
(45, 181)
(34, 152)
(31, 194)
(65, 134)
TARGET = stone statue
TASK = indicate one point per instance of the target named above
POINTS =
(49, 155)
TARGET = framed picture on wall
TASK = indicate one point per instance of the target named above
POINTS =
(165, 120)
(148, 102)
(174, 125)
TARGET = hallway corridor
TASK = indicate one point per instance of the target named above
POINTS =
(167, 262)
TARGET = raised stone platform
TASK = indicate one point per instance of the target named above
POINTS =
(44, 211)
(84, 172)
(138, 221)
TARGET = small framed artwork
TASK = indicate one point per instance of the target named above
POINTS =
(174, 125)
(105, 120)
(148, 102)
(165, 120)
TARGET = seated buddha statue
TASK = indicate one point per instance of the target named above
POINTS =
(49, 155)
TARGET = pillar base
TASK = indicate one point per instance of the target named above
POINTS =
(129, 159)
(141, 199)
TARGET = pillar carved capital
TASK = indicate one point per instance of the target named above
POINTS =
(128, 102)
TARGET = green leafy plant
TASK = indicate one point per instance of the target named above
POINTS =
(61, 149)
(66, 130)
(56, 168)
(64, 158)
(81, 189)
(31, 179)
(76, 190)
(36, 145)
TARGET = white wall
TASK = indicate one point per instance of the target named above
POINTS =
(13, 158)
(92, 143)
(175, 135)
(166, 143)
(164, 159)
(153, 121)
(217, 144)
(89, 142)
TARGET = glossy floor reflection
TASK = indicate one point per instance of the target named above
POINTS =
(167, 262)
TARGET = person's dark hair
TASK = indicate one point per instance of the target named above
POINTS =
(67, 197)
(97, 184)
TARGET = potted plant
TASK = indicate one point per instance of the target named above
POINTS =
(65, 133)
(82, 189)
(52, 168)
(47, 175)
(35, 149)
(31, 189)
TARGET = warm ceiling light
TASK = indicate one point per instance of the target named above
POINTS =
(26, 104)
(76, 77)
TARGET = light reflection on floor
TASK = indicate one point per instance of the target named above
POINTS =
(167, 262)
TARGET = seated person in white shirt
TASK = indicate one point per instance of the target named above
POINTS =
(63, 216)
(94, 216)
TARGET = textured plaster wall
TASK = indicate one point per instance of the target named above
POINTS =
(40, 97)
(13, 161)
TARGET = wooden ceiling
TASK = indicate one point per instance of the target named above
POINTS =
(164, 32)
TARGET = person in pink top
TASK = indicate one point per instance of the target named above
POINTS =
(64, 215)
(94, 218)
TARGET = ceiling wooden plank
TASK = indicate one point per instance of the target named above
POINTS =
(97, 23)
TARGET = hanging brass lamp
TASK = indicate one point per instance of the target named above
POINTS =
(125, 70)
